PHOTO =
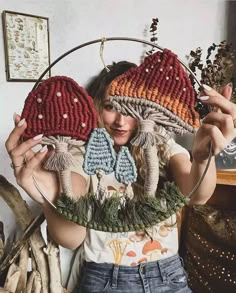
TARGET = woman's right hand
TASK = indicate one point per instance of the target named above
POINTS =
(28, 164)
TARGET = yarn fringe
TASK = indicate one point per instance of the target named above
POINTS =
(144, 140)
(62, 158)
(60, 161)
(120, 213)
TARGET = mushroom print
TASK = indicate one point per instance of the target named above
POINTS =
(163, 231)
(63, 111)
(137, 237)
(153, 250)
(118, 248)
(159, 94)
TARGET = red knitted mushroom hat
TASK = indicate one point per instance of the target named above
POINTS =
(59, 106)
(159, 86)
(64, 113)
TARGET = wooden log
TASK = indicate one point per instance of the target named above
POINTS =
(12, 278)
(34, 283)
(37, 287)
(24, 217)
(23, 264)
(53, 253)
(16, 249)
(14, 200)
(2, 290)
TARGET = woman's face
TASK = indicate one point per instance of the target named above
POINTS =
(121, 128)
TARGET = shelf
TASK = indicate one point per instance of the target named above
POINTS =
(226, 177)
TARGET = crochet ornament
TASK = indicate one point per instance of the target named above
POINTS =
(64, 112)
(119, 212)
(99, 210)
(159, 94)
(100, 156)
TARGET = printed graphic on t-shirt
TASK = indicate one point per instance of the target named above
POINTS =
(133, 248)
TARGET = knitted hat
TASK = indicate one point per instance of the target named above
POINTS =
(161, 85)
(59, 106)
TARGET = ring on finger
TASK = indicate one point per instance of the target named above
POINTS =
(234, 122)
(17, 166)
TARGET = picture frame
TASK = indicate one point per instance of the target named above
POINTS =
(26, 44)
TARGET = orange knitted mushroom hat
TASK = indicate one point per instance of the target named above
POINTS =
(157, 93)
(158, 90)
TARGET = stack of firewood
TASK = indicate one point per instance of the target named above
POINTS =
(31, 265)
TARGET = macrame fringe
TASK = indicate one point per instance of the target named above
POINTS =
(122, 214)
(63, 157)
(144, 140)
(60, 161)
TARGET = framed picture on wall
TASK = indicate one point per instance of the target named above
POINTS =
(26, 42)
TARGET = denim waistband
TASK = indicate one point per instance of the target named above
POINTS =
(167, 274)
(172, 262)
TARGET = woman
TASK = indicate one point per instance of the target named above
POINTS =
(132, 261)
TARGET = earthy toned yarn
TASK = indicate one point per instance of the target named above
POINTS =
(160, 83)
(64, 113)
(59, 106)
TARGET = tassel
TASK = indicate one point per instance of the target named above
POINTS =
(62, 158)
(144, 140)
(60, 161)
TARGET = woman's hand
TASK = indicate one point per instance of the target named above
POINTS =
(27, 164)
(218, 127)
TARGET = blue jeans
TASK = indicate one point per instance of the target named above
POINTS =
(166, 275)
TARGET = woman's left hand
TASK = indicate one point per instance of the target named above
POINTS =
(218, 127)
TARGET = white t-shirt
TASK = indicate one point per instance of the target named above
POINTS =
(130, 248)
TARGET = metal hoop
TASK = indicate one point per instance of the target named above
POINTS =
(131, 40)
(107, 40)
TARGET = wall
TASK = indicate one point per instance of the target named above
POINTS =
(184, 25)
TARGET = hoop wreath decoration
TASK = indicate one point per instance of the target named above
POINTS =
(159, 94)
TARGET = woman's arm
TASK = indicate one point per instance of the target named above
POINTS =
(26, 165)
(63, 231)
(186, 176)
(217, 129)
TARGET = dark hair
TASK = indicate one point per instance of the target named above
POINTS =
(98, 85)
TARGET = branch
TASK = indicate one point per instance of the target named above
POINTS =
(14, 200)
(17, 247)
